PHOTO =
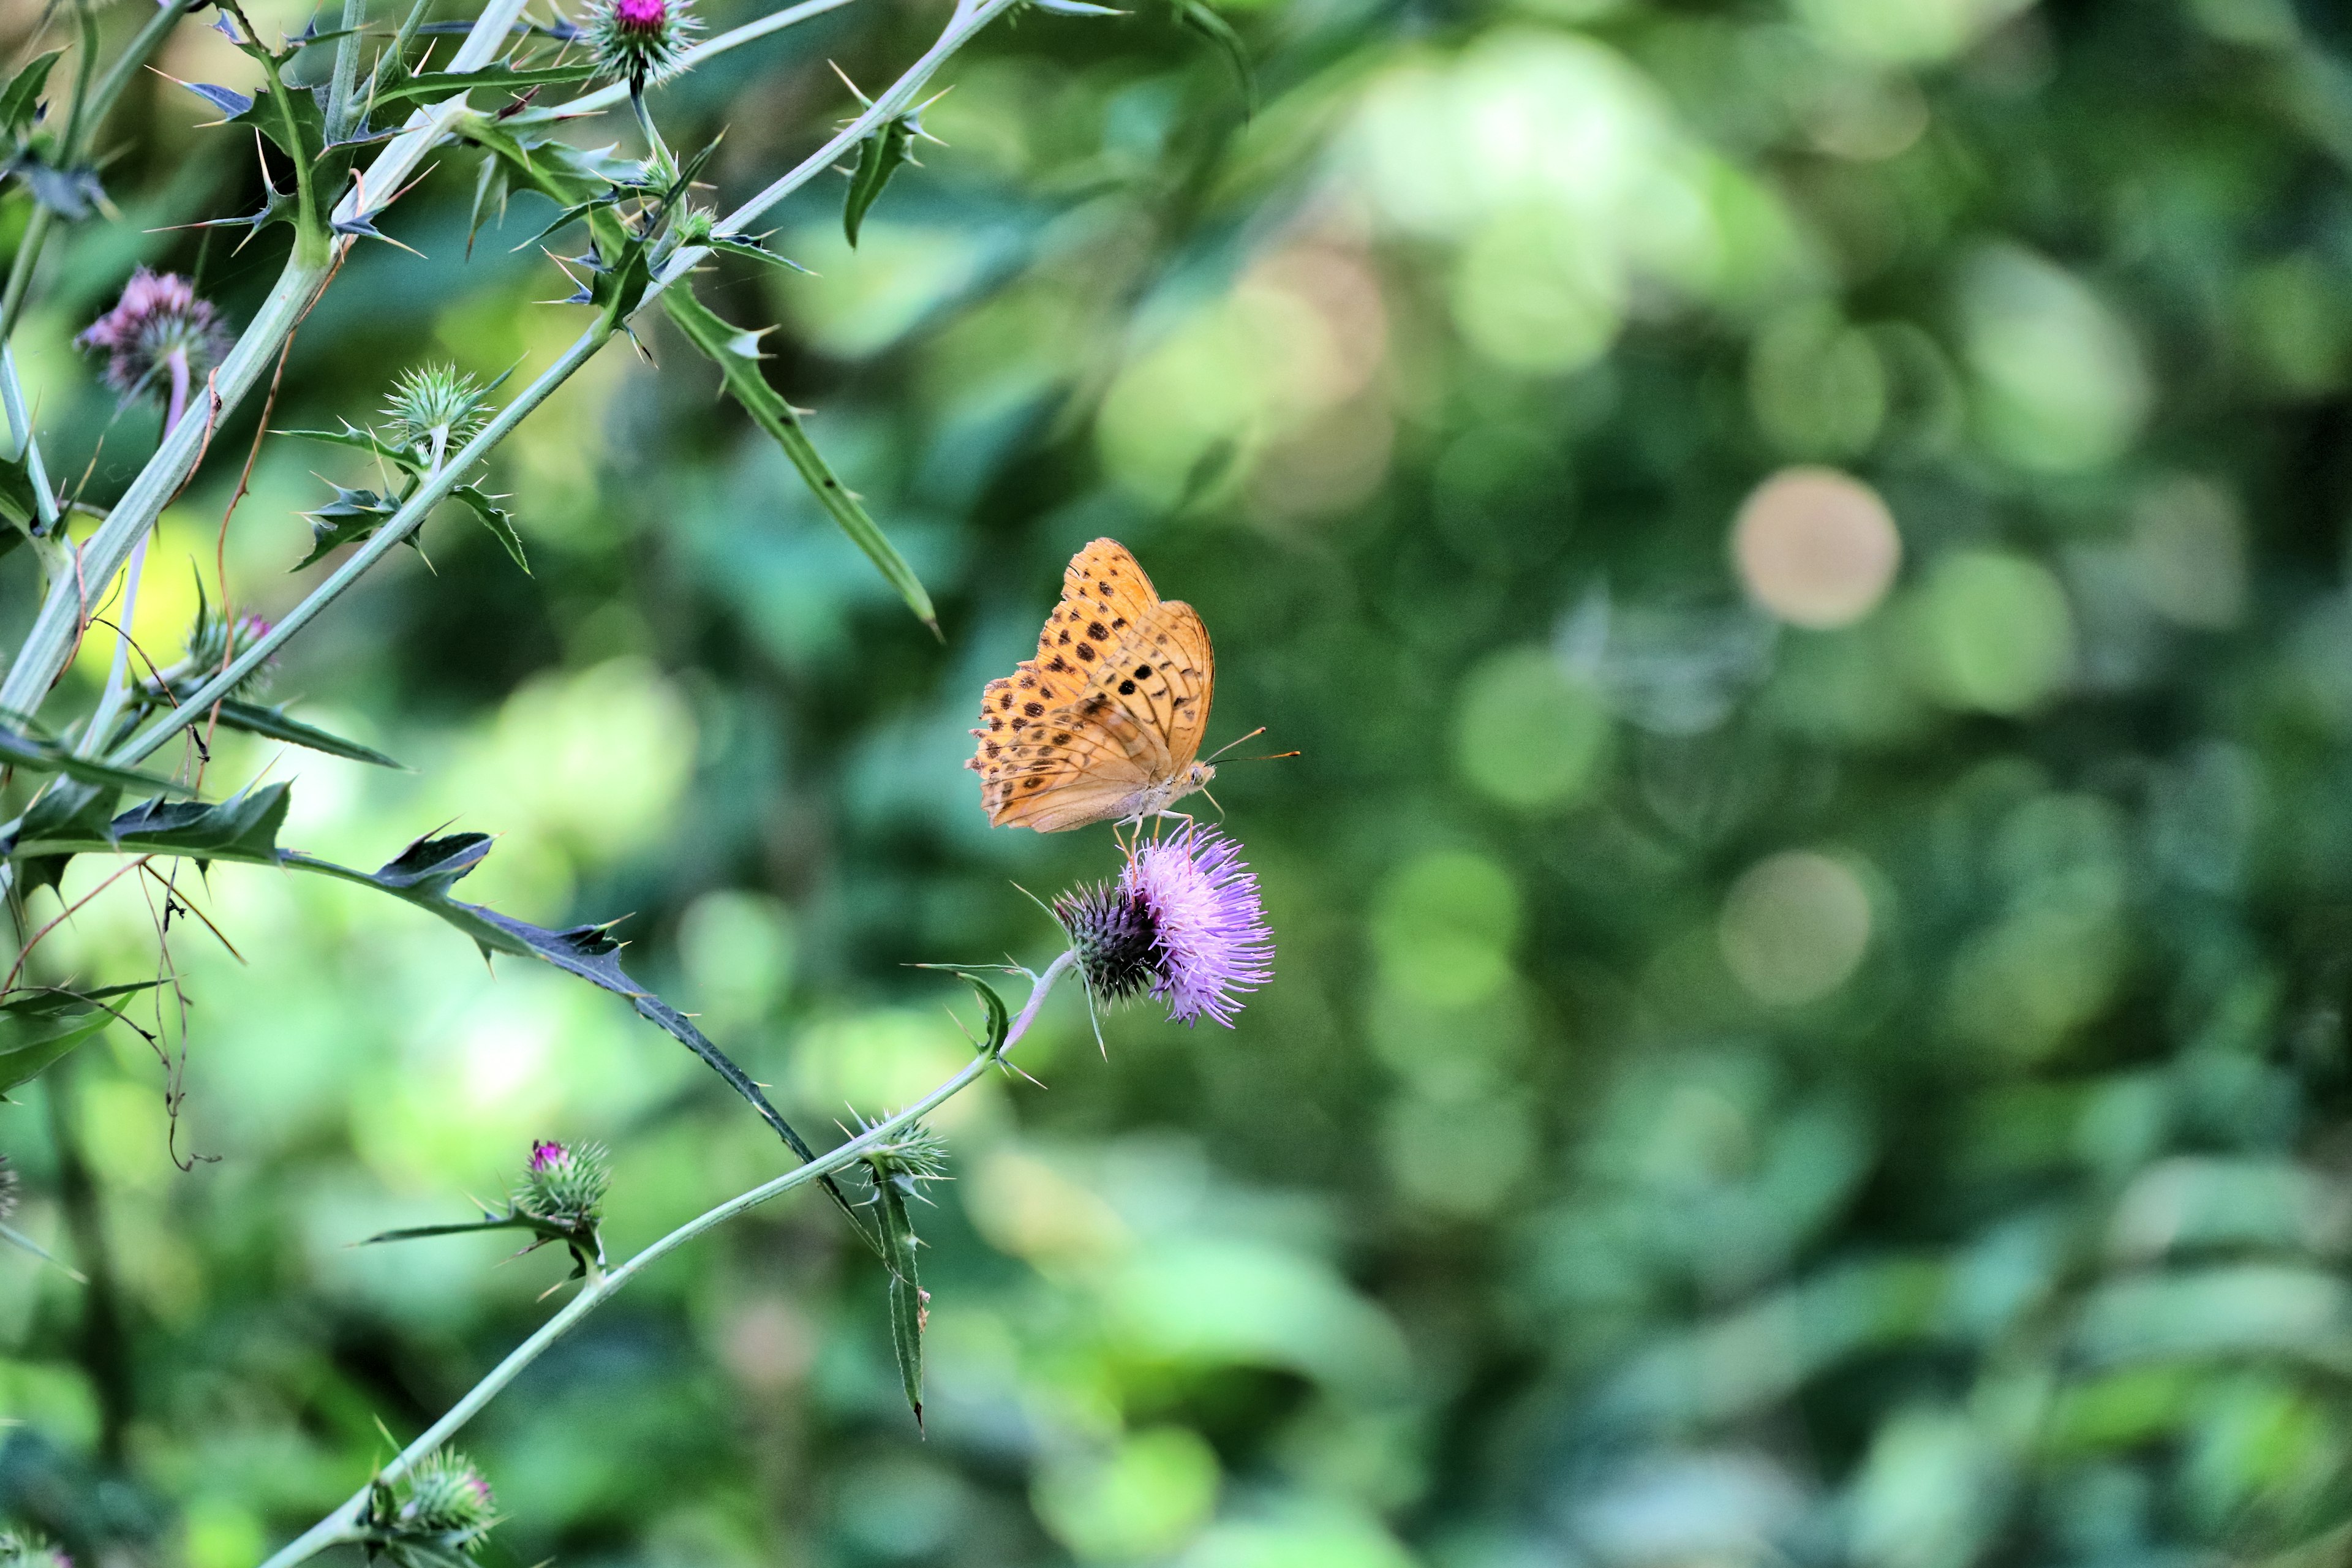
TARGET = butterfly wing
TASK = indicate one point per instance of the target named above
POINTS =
(1112, 706)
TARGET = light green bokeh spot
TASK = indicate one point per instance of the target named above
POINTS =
(1527, 732)
(1143, 1499)
(1444, 927)
(1995, 632)
(2062, 385)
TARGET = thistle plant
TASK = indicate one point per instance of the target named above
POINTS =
(127, 778)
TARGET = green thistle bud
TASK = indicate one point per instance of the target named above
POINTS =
(564, 1185)
(217, 639)
(914, 1152)
(446, 1496)
(433, 408)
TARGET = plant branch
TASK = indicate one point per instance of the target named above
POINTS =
(339, 1526)
(429, 494)
(47, 647)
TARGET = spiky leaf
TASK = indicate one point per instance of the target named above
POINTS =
(733, 350)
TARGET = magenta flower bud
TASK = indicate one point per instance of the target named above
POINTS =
(563, 1183)
(159, 335)
(641, 17)
(640, 41)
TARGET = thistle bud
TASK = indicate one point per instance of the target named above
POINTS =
(914, 1152)
(215, 639)
(433, 408)
(158, 336)
(564, 1185)
(446, 1496)
(641, 41)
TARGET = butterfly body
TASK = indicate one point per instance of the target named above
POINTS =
(1104, 723)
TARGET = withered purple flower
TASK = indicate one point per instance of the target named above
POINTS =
(159, 335)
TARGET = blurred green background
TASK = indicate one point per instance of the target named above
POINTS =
(1803, 544)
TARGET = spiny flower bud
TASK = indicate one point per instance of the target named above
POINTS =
(215, 639)
(158, 333)
(1111, 931)
(565, 1184)
(434, 407)
(914, 1151)
(24, 1549)
(445, 1494)
(641, 41)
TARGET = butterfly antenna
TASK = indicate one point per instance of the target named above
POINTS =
(1237, 741)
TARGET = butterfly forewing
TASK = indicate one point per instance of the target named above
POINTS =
(1111, 711)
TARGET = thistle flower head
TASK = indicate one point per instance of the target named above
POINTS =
(1184, 921)
(446, 1496)
(433, 408)
(641, 41)
(564, 1183)
(157, 321)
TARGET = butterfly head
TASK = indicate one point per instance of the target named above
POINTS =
(1198, 775)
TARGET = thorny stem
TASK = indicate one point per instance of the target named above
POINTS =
(893, 102)
(43, 655)
(341, 1525)
(118, 677)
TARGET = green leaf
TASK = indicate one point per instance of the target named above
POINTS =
(40, 754)
(750, 249)
(351, 517)
(39, 1026)
(879, 156)
(1197, 16)
(310, 121)
(908, 1305)
(254, 719)
(422, 875)
(21, 98)
(242, 828)
(358, 440)
(735, 352)
(495, 518)
(448, 84)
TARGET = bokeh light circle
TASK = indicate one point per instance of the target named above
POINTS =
(1794, 927)
(1816, 547)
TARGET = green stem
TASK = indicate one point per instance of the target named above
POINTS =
(43, 654)
(403, 523)
(339, 1526)
(118, 75)
(347, 71)
(411, 515)
(84, 69)
(20, 421)
(20, 270)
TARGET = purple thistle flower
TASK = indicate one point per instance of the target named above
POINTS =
(546, 1154)
(1183, 921)
(158, 328)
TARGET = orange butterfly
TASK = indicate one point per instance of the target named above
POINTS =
(1105, 724)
